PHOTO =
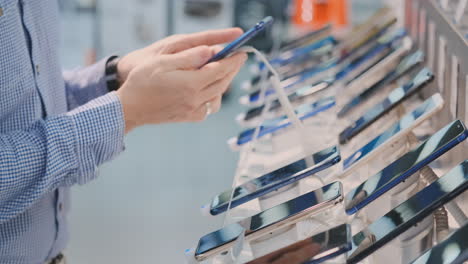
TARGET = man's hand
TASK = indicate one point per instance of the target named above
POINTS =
(174, 44)
(165, 83)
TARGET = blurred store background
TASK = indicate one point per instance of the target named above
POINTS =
(144, 207)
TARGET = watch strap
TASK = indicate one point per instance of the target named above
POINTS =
(112, 78)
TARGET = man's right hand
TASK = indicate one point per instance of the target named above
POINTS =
(173, 88)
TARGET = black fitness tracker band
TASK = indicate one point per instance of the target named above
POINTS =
(112, 78)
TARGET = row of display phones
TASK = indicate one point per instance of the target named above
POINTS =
(357, 247)
(356, 58)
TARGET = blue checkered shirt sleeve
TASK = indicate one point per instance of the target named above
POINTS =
(59, 151)
(85, 83)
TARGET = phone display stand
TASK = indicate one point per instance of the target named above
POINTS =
(279, 149)
(414, 241)
(362, 170)
(305, 146)
(255, 164)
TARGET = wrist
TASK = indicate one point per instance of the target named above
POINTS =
(128, 113)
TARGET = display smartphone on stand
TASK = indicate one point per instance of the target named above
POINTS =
(239, 42)
(401, 169)
(306, 39)
(379, 50)
(397, 96)
(384, 65)
(302, 95)
(270, 126)
(404, 67)
(253, 116)
(274, 219)
(313, 250)
(361, 35)
(274, 180)
(347, 63)
(394, 133)
(410, 213)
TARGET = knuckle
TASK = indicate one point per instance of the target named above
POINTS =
(194, 87)
(175, 38)
(191, 88)
(192, 105)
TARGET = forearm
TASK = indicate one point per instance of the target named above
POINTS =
(60, 151)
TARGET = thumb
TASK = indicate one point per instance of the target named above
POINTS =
(189, 59)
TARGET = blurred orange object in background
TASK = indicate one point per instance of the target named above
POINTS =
(339, 12)
(317, 13)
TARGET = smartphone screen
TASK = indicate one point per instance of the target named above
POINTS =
(303, 205)
(304, 112)
(357, 45)
(453, 250)
(398, 95)
(315, 249)
(298, 54)
(376, 53)
(407, 122)
(306, 39)
(274, 180)
(409, 213)
(405, 66)
(434, 147)
(239, 42)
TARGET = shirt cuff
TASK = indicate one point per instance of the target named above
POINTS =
(86, 84)
(99, 128)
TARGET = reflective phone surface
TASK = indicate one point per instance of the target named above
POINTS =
(275, 179)
(306, 39)
(407, 121)
(360, 54)
(409, 213)
(297, 96)
(380, 50)
(382, 47)
(316, 249)
(453, 250)
(398, 171)
(269, 126)
(395, 97)
(405, 66)
(302, 205)
(237, 43)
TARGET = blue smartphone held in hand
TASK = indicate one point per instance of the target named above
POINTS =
(239, 42)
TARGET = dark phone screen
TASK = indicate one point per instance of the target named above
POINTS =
(241, 193)
(405, 122)
(393, 99)
(405, 67)
(269, 217)
(409, 213)
(404, 167)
